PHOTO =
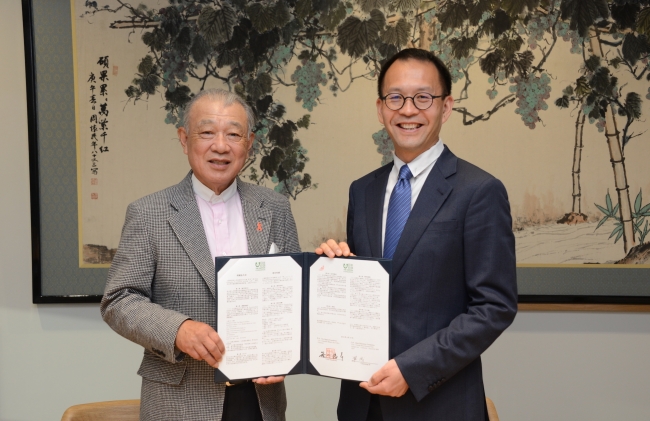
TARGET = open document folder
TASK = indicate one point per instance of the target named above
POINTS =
(302, 313)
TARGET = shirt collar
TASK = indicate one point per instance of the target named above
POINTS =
(422, 161)
(206, 193)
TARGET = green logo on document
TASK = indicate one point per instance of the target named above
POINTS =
(260, 265)
(347, 267)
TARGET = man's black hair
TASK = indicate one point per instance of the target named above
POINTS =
(420, 55)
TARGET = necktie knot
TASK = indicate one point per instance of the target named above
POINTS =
(405, 173)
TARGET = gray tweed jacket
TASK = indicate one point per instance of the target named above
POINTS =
(163, 274)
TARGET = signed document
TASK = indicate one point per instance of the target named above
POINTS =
(302, 314)
(348, 317)
(259, 316)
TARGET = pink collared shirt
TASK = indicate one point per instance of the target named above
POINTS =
(223, 219)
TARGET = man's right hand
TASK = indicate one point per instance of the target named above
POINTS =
(201, 342)
(331, 248)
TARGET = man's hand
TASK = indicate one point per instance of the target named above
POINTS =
(331, 249)
(387, 381)
(268, 380)
(200, 342)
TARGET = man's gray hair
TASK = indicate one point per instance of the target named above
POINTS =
(227, 98)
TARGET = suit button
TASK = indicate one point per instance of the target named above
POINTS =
(431, 388)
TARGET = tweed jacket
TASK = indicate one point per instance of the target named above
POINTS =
(163, 274)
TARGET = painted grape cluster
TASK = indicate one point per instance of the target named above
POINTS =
(307, 78)
(531, 92)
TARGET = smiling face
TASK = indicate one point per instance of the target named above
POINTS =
(413, 131)
(216, 142)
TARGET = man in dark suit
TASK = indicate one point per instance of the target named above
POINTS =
(160, 289)
(446, 224)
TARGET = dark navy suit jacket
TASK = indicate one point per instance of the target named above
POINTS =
(454, 288)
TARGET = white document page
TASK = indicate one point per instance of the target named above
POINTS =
(259, 316)
(348, 317)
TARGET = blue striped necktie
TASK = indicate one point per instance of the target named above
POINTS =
(399, 208)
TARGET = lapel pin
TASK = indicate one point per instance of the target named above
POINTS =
(259, 226)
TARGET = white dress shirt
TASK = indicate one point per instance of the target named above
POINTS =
(223, 219)
(420, 168)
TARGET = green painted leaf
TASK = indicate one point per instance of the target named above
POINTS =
(592, 63)
(510, 45)
(303, 9)
(463, 46)
(184, 39)
(634, 48)
(216, 25)
(404, 5)
(397, 34)
(356, 35)
(581, 14)
(146, 64)
(562, 102)
(259, 86)
(620, 234)
(516, 7)
(264, 18)
(332, 19)
(476, 11)
(200, 49)
(491, 62)
(617, 230)
(582, 86)
(645, 211)
(524, 61)
(625, 14)
(601, 222)
(637, 202)
(633, 105)
(607, 212)
(303, 122)
(453, 15)
(498, 24)
(368, 5)
(643, 21)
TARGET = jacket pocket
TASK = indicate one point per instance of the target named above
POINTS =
(443, 226)
(158, 370)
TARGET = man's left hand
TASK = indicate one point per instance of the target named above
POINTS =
(268, 380)
(387, 381)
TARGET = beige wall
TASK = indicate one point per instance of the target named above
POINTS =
(559, 366)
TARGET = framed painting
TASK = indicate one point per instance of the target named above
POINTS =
(550, 100)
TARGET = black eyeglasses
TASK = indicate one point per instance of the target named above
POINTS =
(421, 100)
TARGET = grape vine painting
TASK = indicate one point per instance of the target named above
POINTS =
(551, 97)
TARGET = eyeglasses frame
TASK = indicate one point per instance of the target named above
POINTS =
(412, 98)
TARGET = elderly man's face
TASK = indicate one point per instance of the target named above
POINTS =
(216, 142)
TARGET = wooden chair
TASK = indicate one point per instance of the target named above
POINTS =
(129, 410)
(126, 410)
(492, 410)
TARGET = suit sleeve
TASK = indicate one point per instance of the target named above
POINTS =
(290, 240)
(350, 221)
(490, 284)
(126, 305)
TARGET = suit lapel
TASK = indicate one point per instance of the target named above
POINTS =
(435, 191)
(188, 227)
(375, 193)
(257, 219)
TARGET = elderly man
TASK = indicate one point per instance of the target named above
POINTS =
(446, 225)
(160, 289)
